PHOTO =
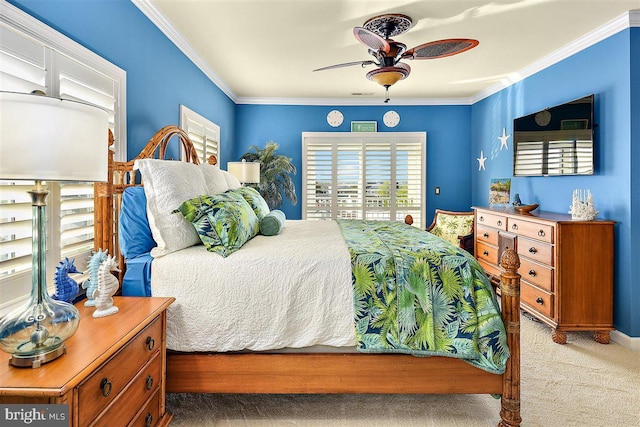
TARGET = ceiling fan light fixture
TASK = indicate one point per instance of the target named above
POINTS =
(388, 76)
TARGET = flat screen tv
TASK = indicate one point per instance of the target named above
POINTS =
(555, 141)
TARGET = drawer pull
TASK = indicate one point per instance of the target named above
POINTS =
(514, 227)
(499, 223)
(533, 250)
(150, 343)
(540, 301)
(486, 235)
(106, 386)
(148, 420)
(481, 219)
(532, 273)
(541, 233)
(485, 253)
(149, 382)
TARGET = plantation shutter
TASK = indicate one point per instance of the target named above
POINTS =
(374, 177)
(29, 63)
(204, 134)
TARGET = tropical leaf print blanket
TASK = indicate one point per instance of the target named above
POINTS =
(418, 294)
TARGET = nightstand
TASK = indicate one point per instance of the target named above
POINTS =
(113, 373)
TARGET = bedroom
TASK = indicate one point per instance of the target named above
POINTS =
(457, 133)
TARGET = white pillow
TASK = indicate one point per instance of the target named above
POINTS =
(214, 179)
(232, 181)
(168, 183)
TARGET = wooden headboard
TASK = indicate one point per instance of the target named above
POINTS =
(108, 195)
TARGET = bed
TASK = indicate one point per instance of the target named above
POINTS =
(311, 358)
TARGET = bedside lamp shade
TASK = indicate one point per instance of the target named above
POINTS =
(245, 172)
(46, 139)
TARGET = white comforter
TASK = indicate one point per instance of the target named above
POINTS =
(290, 290)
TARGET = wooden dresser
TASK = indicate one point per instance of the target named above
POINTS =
(113, 373)
(566, 266)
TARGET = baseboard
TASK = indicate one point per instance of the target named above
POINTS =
(632, 343)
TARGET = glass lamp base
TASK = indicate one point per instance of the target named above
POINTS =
(35, 360)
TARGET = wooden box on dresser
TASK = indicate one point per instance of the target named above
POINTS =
(112, 374)
(566, 266)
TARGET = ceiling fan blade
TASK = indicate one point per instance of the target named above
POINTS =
(371, 40)
(346, 64)
(440, 49)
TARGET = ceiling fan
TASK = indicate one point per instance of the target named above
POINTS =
(376, 34)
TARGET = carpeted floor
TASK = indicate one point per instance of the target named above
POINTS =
(580, 384)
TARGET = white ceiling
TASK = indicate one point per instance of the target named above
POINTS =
(265, 50)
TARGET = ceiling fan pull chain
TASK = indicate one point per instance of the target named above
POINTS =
(386, 92)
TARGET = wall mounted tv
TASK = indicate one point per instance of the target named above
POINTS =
(555, 141)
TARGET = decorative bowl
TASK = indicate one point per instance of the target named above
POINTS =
(526, 208)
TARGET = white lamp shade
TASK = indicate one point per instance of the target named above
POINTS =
(245, 172)
(51, 139)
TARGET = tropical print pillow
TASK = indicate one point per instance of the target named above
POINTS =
(449, 227)
(224, 222)
(255, 200)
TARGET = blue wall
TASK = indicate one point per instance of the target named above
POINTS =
(605, 70)
(159, 76)
(448, 141)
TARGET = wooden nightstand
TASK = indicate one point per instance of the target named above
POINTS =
(113, 373)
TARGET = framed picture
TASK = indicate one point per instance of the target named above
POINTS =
(500, 191)
(369, 126)
(574, 124)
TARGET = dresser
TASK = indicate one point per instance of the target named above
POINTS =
(112, 374)
(566, 266)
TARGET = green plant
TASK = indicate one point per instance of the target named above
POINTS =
(275, 174)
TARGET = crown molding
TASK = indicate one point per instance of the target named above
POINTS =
(167, 28)
(353, 102)
(622, 22)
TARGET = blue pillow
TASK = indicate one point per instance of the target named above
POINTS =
(272, 223)
(133, 227)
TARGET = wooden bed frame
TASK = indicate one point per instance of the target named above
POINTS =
(318, 372)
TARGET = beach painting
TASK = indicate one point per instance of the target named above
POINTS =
(500, 191)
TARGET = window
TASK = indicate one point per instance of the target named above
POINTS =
(377, 176)
(35, 57)
(204, 134)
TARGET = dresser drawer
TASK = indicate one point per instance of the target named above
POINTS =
(104, 385)
(535, 250)
(487, 234)
(492, 220)
(128, 403)
(149, 415)
(537, 274)
(537, 299)
(533, 230)
(487, 253)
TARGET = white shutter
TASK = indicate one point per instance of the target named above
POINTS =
(204, 134)
(34, 57)
(359, 176)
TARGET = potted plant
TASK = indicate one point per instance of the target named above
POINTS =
(275, 174)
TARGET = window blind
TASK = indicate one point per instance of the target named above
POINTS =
(374, 177)
(204, 134)
(29, 63)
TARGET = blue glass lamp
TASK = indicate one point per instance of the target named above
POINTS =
(46, 139)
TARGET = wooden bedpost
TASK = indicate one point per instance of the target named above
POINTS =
(103, 207)
(510, 297)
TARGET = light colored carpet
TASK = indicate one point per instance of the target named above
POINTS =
(582, 383)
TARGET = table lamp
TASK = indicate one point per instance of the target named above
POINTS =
(46, 139)
(245, 172)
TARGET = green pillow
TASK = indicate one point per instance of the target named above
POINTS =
(224, 222)
(255, 200)
(272, 223)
